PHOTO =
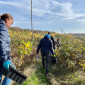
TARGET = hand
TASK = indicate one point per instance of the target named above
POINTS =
(37, 57)
(6, 64)
(54, 55)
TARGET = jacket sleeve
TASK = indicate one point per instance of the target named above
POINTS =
(39, 46)
(50, 46)
(3, 43)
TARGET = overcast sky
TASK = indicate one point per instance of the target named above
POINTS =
(51, 15)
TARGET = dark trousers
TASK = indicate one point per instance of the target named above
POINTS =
(45, 56)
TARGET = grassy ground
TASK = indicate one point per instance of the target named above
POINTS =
(58, 75)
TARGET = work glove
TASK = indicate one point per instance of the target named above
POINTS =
(54, 55)
(6, 64)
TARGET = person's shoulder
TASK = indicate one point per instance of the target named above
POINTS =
(49, 40)
(2, 24)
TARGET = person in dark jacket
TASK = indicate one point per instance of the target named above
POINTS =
(53, 41)
(46, 46)
(5, 60)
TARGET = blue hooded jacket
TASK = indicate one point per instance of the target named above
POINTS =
(4, 42)
(45, 45)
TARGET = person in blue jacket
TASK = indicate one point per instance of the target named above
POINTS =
(46, 46)
(5, 60)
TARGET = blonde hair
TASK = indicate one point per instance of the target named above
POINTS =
(6, 16)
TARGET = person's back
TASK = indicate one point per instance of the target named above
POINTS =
(45, 45)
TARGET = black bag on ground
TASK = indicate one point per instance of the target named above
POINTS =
(13, 74)
(53, 60)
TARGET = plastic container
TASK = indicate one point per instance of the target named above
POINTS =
(13, 74)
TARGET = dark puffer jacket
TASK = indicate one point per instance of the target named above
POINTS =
(4, 43)
(45, 45)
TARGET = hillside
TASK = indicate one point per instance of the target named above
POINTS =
(29, 30)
